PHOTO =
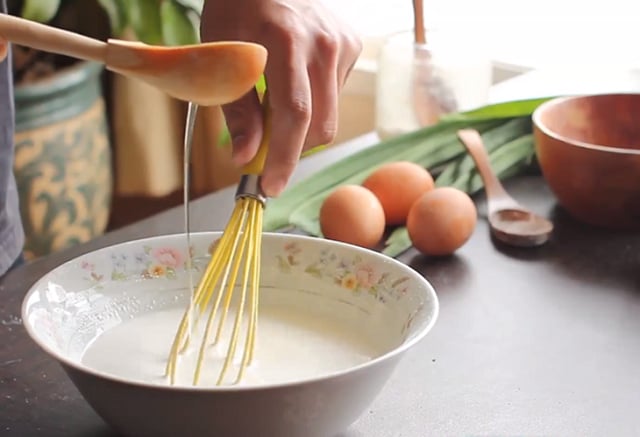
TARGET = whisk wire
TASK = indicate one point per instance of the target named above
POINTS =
(236, 256)
(248, 244)
(256, 227)
(253, 269)
(205, 289)
(226, 247)
(237, 252)
(224, 250)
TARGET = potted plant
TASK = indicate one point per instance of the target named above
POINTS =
(63, 161)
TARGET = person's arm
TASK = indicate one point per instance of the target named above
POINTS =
(310, 56)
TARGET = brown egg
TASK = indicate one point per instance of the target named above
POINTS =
(352, 214)
(398, 185)
(441, 221)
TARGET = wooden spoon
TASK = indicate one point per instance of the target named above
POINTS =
(206, 74)
(509, 221)
(425, 106)
(431, 96)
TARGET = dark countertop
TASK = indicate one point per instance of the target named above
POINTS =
(528, 342)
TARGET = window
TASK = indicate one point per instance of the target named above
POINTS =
(523, 34)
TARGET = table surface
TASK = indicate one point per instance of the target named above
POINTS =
(539, 341)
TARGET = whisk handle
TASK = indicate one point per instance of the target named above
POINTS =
(256, 165)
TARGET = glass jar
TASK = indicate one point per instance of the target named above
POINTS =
(417, 83)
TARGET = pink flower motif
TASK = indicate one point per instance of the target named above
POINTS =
(366, 275)
(86, 265)
(167, 256)
(292, 248)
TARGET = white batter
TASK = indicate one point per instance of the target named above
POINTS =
(291, 345)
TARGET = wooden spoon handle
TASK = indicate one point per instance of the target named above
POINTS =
(418, 22)
(50, 39)
(497, 196)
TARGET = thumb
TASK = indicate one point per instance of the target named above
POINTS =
(244, 121)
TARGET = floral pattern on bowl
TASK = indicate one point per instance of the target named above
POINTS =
(355, 274)
(149, 263)
(364, 278)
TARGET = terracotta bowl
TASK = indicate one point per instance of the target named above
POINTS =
(589, 152)
(388, 303)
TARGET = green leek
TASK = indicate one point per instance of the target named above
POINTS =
(505, 128)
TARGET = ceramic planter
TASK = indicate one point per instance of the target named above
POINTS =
(63, 159)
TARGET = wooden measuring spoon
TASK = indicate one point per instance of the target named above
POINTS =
(206, 74)
(510, 222)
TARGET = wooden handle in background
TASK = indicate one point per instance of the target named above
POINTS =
(50, 39)
(472, 141)
(418, 22)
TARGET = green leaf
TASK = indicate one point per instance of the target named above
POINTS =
(516, 108)
(435, 150)
(117, 12)
(506, 129)
(506, 160)
(434, 144)
(509, 130)
(178, 28)
(225, 137)
(508, 140)
(261, 85)
(40, 10)
(397, 242)
(146, 21)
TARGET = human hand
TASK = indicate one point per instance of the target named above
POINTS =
(310, 56)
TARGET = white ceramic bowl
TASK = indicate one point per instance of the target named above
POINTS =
(66, 309)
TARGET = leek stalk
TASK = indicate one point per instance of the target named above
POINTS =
(506, 130)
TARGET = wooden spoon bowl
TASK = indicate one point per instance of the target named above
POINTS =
(588, 148)
(207, 74)
(509, 221)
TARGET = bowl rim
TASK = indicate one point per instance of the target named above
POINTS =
(393, 353)
(537, 115)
